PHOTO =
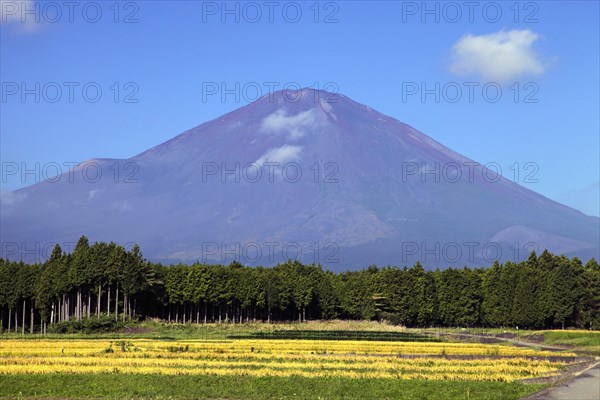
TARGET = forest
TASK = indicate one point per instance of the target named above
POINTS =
(106, 280)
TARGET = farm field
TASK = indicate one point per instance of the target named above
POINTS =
(274, 368)
(575, 339)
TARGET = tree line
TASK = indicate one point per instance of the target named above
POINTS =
(105, 279)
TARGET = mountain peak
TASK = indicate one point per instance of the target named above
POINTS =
(308, 97)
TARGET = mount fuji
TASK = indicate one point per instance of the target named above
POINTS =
(307, 175)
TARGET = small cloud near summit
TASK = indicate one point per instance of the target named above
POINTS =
(295, 125)
(499, 57)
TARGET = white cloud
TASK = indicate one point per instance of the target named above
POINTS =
(93, 193)
(21, 14)
(10, 198)
(295, 126)
(283, 154)
(236, 125)
(499, 57)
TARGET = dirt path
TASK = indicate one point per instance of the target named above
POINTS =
(585, 386)
(523, 343)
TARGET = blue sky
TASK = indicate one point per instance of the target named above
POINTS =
(153, 62)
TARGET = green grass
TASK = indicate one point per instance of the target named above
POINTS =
(586, 339)
(115, 386)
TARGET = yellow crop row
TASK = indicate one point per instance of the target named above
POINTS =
(260, 372)
(421, 365)
(83, 347)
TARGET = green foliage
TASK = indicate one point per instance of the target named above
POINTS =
(69, 290)
(104, 324)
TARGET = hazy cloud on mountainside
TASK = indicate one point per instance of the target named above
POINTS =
(295, 125)
(500, 57)
(9, 198)
(281, 154)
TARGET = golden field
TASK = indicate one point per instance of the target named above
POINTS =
(282, 358)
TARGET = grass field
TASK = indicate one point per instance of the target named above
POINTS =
(583, 339)
(235, 387)
(261, 361)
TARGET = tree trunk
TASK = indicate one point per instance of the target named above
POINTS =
(108, 302)
(117, 303)
(52, 313)
(124, 306)
(9, 318)
(23, 322)
(77, 315)
(31, 319)
(99, 300)
(205, 311)
(89, 304)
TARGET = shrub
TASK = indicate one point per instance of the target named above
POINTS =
(104, 324)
